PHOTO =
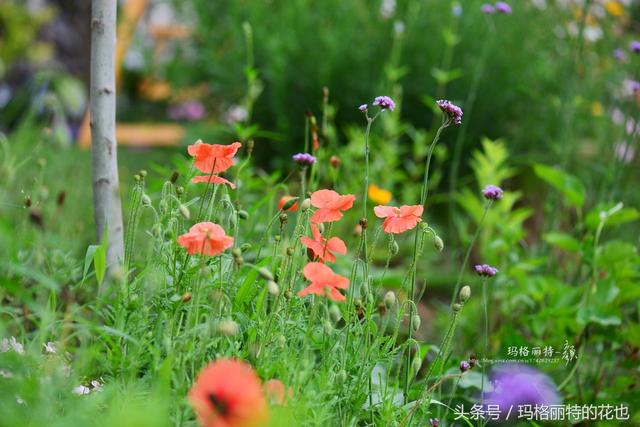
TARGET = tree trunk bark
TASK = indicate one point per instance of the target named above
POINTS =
(106, 192)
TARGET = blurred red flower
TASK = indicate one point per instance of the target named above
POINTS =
(321, 247)
(228, 393)
(324, 282)
(213, 158)
(284, 200)
(215, 179)
(205, 238)
(399, 220)
(330, 204)
(277, 392)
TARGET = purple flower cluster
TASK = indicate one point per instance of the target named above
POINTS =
(464, 366)
(515, 384)
(634, 46)
(453, 112)
(304, 159)
(189, 110)
(485, 270)
(363, 107)
(434, 422)
(620, 55)
(491, 192)
(384, 102)
(500, 7)
(635, 87)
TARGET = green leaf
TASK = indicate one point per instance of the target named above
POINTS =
(88, 259)
(563, 241)
(100, 263)
(246, 290)
(570, 186)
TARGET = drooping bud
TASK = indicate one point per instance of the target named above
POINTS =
(185, 211)
(146, 200)
(143, 173)
(227, 328)
(265, 273)
(416, 364)
(289, 203)
(236, 252)
(334, 313)
(245, 247)
(243, 214)
(272, 288)
(389, 300)
(288, 294)
(464, 366)
(415, 322)
(283, 218)
(465, 293)
(438, 243)
(174, 177)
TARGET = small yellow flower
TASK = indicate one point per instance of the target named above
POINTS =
(614, 8)
(379, 195)
(596, 109)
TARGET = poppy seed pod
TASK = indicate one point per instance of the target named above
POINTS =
(416, 364)
(143, 173)
(245, 247)
(243, 214)
(265, 273)
(290, 251)
(283, 218)
(438, 243)
(179, 190)
(465, 293)
(236, 252)
(272, 288)
(146, 200)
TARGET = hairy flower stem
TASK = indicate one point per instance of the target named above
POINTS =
(414, 263)
(456, 289)
(485, 300)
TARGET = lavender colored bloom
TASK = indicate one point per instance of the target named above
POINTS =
(304, 159)
(434, 422)
(620, 55)
(515, 385)
(384, 102)
(363, 107)
(464, 366)
(453, 112)
(634, 46)
(491, 192)
(502, 7)
(488, 9)
(189, 110)
(485, 270)
(634, 86)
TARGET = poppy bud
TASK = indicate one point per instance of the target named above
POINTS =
(288, 294)
(168, 234)
(416, 364)
(364, 289)
(245, 247)
(179, 190)
(290, 251)
(236, 252)
(238, 260)
(227, 328)
(306, 204)
(185, 211)
(456, 307)
(363, 223)
(146, 200)
(389, 299)
(174, 177)
(283, 218)
(233, 221)
(277, 238)
(136, 178)
(265, 273)
(328, 327)
(272, 288)
(335, 162)
(321, 228)
(243, 214)
(465, 293)
(395, 248)
(415, 322)
(438, 243)
(289, 203)
(143, 173)
(334, 313)
(186, 297)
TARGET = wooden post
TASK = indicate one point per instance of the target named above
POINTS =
(106, 189)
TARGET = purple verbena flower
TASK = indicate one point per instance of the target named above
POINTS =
(634, 46)
(491, 192)
(485, 270)
(464, 366)
(434, 422)
(503, 7)
(304, 159)
(452, 111)
(515, 385)
(634, 85)
(488, 9)
(620, 55)
(363, 107)
(384, 102)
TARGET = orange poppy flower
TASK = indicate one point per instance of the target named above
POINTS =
(277, 392)
(399, 220)
(228, 393)
(213, 158)
(215, 179)
(322, 248)
(324, 282)
(284, 200)
(205, 238)
(330, 204)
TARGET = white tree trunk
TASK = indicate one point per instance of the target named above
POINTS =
(106, 193)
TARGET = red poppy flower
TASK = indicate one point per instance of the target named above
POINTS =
(330, 204)
(322, 248)
(277, 392)
(215, 179)
(324, 282)
(205, 238)
(399, 220)
(213, 158)
(228, 393)
(284, 200)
